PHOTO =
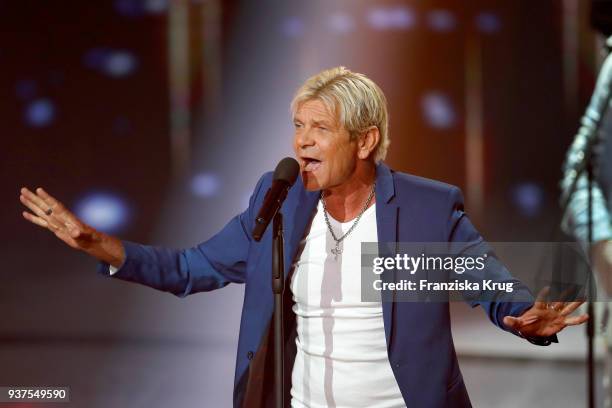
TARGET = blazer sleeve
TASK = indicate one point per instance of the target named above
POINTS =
(464, 238)
(207, 266)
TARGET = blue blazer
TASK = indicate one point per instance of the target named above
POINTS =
(418, 335)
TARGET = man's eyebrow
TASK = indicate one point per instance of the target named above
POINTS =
(322, 122)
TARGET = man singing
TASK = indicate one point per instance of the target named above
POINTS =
(343, 352)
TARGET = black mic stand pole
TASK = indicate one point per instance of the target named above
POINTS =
(590, 329)
(278, 283)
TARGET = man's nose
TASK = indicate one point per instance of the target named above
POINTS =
(304, 138)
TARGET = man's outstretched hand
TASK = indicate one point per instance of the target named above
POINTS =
(544, 319)
(49, 213)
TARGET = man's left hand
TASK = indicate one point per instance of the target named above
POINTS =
(545, 319)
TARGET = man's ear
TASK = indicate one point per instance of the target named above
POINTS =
(367, 142)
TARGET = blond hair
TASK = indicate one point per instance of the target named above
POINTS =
(354, 98)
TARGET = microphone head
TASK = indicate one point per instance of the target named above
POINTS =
(287, 170)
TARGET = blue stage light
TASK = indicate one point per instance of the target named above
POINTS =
(104, 211)
(40, 113)
(488, 22)
(441, 20)
(528, 197)
(120, 64)
(156, 6)
(114, 63)
(438, 110)
(139, 8)
(205, 185)
(341, 23)
(292, 27)
(391, 18)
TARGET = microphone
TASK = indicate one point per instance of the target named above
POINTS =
(285, 174)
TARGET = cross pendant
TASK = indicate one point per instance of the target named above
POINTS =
(336, 251)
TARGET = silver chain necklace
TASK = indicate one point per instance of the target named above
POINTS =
(337, 250)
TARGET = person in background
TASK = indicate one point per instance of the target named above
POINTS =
(594, 140)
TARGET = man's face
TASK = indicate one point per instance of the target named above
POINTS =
(322, 146)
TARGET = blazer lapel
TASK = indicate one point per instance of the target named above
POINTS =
(386, 226)
(298, 213)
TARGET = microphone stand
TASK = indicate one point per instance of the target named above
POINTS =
(591, 288)
(278, 283)
(285, 174)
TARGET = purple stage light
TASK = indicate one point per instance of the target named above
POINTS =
(438, 110)
(40, 113)
(488, 22)
(205, 185)
(156, 6)
(441, 20)
(292, 27)
(528, 197)
(104, 211)
(114, 63)
(391, 18)
(120, 64)
(341, 23)
(130, 8)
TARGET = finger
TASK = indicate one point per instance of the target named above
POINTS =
(574, 320)
(46, 196)
(526, 320)
(570, 307)
(540, 302)
(60, 213)
(51, 223)
(53, 204)
(512, 322)
(36, 209)
(74, 232)
(34, 219)
(38, 201)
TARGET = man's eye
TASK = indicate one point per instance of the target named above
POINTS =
(297, 125)
(322, 128)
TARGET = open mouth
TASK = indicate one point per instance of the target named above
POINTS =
(311, 164)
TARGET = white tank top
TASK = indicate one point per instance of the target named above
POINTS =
(341, 358)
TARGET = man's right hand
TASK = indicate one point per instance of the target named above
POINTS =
(49, 213)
